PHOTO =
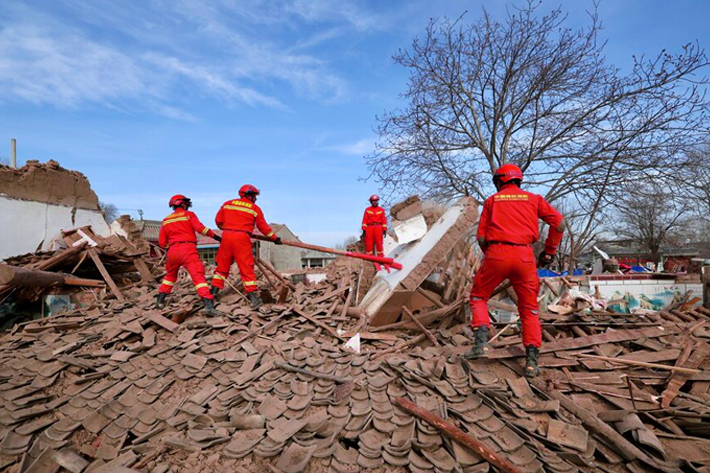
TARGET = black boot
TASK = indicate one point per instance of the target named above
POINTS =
(480, 344)
(531, 368)
(214, 290)
(160, 300)
(209, 307)
(254, 300)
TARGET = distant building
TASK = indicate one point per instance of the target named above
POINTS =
(316, 259)
(282, 258)
(673, 259)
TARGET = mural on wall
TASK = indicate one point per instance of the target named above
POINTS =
(663, 297)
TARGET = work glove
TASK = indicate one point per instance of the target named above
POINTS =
(544, 260)
(364, 234)
(217, 237)
(278, 241)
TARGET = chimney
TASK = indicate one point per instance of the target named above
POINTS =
(13, 153)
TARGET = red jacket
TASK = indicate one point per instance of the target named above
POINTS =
(511, 215)
(243, 215)
(180, 226)
(374, 216)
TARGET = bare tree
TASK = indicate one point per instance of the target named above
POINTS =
(347, 242)
(578, 236)
(650, 217)
(528, 90)
(109, 210)
(696, 181)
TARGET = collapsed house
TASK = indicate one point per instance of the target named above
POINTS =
(47, 199)
(114, 385)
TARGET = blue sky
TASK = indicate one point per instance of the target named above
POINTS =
(155, 97)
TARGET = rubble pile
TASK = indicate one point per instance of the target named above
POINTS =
(320, 378)
(120, 387)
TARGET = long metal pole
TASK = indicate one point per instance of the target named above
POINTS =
(376, 259)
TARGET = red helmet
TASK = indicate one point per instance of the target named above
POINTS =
(177, 199)
(374, 197)
(248, 189)
(507, 173)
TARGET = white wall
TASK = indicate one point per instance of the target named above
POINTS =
(656, 293)
(24, 224)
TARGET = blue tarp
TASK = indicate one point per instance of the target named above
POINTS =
(640, 269)
(546, 273)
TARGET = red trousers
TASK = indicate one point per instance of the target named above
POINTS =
(373, 239)
(184, 255)
(517, 264)
(235, 246)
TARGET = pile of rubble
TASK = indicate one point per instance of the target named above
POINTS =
(80, 260)
(118, 386)
(121, 387)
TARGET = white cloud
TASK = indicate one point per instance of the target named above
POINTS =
(213, 81)
(147, 56)
(336, 10)
(64, 70)
(357, 148)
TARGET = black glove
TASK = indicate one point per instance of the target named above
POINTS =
(217, 237)
(544, 260)
(364, 234)
(278, 241)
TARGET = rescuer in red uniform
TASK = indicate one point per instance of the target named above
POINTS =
(374, 226)
(177, 234)
(507, 228)
(237, 219)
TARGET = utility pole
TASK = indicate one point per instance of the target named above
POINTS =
(13, 153)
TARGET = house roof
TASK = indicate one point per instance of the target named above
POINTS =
(619, 250)
(313, 254)
(150, 229)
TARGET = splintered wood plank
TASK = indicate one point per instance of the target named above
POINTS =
(678, 379)
(143, 270)
(104, 273)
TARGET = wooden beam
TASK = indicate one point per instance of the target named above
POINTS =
(320, 324)
(50, 262)
(265, 273)
(278, 275)
(641, 363)
(107, 277)
(600, 428)
(679, 378)
(458, 435)
(426, 295)
(423, 329)
(23, 277)
(616, 336)
(425, 318)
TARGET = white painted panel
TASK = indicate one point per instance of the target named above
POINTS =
(26, 224)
